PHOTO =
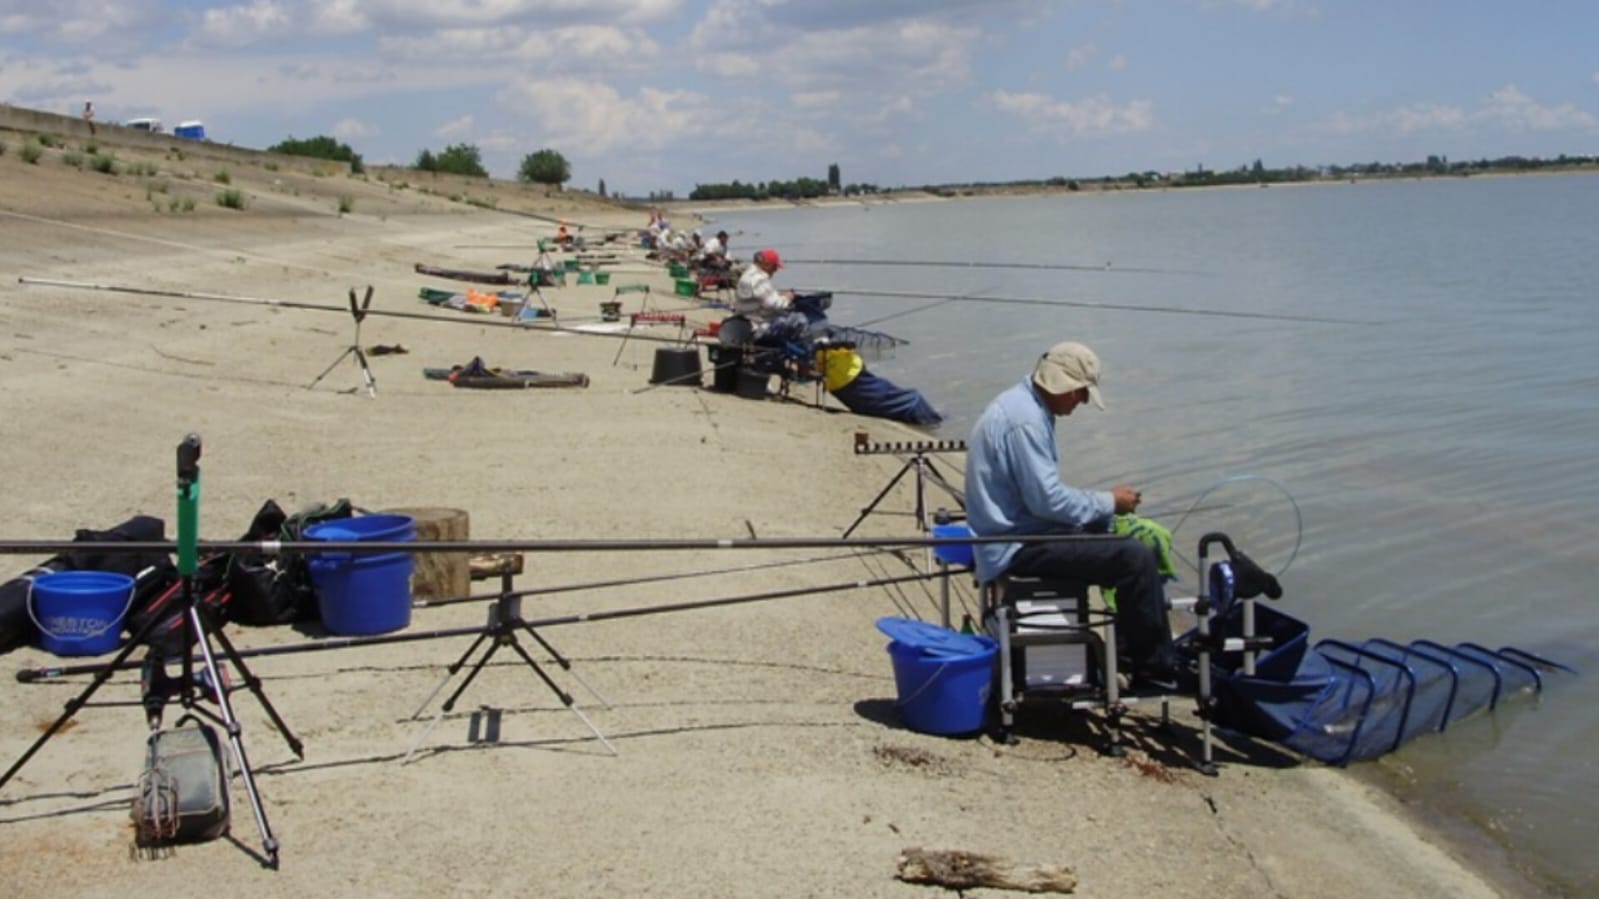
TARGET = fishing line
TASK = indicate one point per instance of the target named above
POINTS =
(1119, 307)
(479, 322)
(1034, 266)
(646, 579)
(923, 308)
(1299, 521)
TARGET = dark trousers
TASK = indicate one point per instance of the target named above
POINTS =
(1124, 563)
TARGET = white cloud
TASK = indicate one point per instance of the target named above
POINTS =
(1507, 109)
(1515, 111)
(593, 115)
(558, 50)
(1077, 57)
(354, 129)
(242, 26)
(455, 127)
(420, 14)
(1090, 117)
(1118, 63)
(903, 53)
(815, 99)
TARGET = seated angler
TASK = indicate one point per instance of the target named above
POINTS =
(770, 312)
(1014, 488)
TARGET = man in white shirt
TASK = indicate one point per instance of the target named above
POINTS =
(757, 300)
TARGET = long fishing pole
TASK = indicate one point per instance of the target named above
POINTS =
(1088, 304)
(342, 310)
(30, 675)
(371, 547)
(1035, 266)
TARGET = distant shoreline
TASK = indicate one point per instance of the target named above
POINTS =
(1030, 191)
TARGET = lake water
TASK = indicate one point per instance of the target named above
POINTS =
(1440, 457)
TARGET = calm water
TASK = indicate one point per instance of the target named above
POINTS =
(1440, 460)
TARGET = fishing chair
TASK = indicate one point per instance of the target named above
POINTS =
(1055, 645)
(745, 363)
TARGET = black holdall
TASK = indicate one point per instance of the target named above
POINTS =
(268, 590)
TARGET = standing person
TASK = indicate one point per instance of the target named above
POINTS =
(769, 310)
(1014, 487)
(88, 116)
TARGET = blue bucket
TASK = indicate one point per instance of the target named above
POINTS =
(79, 613)
(953, 553)
(943, 678)
(360, 594)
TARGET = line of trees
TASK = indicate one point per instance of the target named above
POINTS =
(456, 159)
(799, 189)
(320, 147)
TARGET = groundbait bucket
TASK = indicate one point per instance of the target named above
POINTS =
(79, 613)
(361, 594)
(953, 553)
(943, 677)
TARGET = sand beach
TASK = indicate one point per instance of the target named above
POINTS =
(757, 750)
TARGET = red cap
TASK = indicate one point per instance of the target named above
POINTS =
(769, 256)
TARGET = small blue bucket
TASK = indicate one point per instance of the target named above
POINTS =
(953, 553)
(943, 678)
(360, 594)
(80, 613)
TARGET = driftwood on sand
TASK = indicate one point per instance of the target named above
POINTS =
(958, 870)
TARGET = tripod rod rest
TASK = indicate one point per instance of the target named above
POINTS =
(865, 447)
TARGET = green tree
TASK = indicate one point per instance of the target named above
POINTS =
(832, 177)
(426, 161)
(462, 159)
(320, 147)
(546, 167)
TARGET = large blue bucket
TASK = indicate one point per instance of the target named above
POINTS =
(363, 594)
(79, 613)
(943, 678)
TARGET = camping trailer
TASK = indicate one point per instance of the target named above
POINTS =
(151, 125)
(190, 130)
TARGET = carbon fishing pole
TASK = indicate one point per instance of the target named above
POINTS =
(1088, 304)
(1035, 266)
(31, 675)
(342, 310)
(372, 547)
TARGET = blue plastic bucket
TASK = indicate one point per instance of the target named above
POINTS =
(363, 594)
(943, 678)
(953, 553)
(79, 613)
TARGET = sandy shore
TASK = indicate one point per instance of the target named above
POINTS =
(757, 750)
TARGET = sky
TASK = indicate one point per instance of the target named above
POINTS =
(662, 95)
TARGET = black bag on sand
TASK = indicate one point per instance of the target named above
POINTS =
(270, 590)
(16, 627)
(183, 792)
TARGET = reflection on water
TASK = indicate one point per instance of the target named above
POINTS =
(1439, 458)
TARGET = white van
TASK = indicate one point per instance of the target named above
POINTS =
(151, 125)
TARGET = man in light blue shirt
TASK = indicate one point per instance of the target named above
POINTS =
(1013, 486)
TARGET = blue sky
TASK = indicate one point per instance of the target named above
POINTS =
(665, 94)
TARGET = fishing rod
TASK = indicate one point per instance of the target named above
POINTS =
(32, 675)
(1032, 266)
(372, 547)
(342, 310)
(1089, 304)
(643, 579)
